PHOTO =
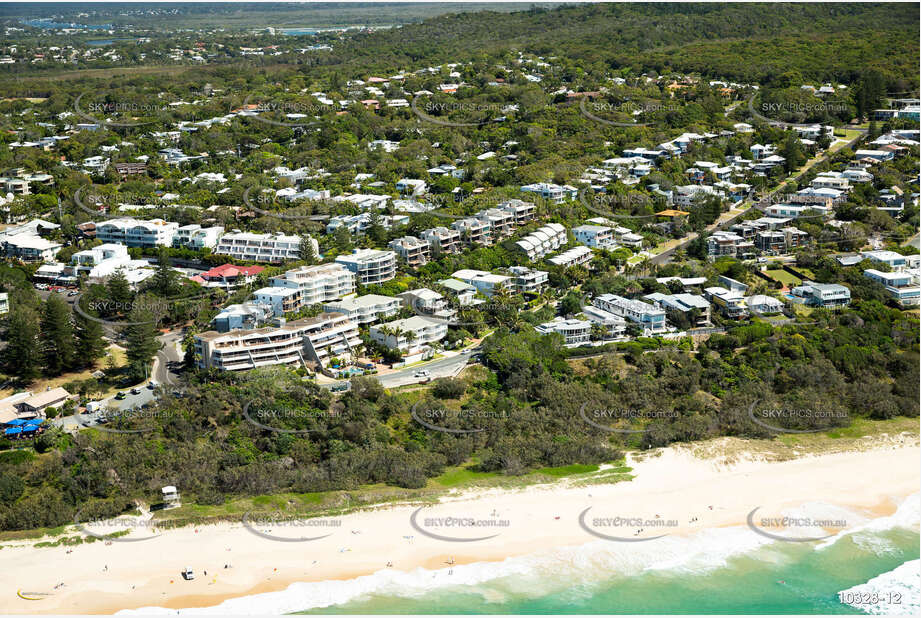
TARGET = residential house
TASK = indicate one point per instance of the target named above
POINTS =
(228, 276)
(902, 286)
(694, 309)
(543, 241)
(649, 317)
(484, 282)
(595, 236)
(822, 294)
(526, 280)
(194, 236)
(574, 331)
(367, 308)
(572, 257)
(413, 251)
(730, 302)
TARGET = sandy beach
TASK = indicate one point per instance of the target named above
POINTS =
(673, 487)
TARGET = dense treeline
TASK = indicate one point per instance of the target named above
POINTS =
(531, 409)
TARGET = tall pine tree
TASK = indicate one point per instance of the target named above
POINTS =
(22, 355)
(57, 336)
(142, 342)
(89, 343)
(165, 280)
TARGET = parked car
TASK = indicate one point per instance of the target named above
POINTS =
(121, 395)
(188, 574)
(135, 391)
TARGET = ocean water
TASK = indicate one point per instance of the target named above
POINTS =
(721, 571)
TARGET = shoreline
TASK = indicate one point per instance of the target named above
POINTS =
(672, 485)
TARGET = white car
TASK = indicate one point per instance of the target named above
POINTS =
(421, 374)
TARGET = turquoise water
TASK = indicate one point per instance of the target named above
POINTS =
(777, 578)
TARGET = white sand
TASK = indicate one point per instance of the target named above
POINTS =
(674, 485)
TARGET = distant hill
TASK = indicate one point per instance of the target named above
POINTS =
(752, 42)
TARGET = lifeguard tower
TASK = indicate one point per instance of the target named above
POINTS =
(170, 497)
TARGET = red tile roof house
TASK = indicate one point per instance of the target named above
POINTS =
(228, 276)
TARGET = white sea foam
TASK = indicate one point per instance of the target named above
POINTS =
(520, 576)
(896, 592)
(865, 534)
(537, 574)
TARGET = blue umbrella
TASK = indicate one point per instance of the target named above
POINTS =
(16, 421)
(12, 431)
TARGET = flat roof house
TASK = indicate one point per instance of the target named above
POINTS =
(366, 309)
(414, 251)
(595, 236)
(411, 336)
(650, 317)
(282, 300)
(686, 304)
(574, 331)
(486, 283)
(902, 286)
(823, 294)
(527, 280)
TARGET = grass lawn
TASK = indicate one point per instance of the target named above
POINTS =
(42, 384)
(784, 277)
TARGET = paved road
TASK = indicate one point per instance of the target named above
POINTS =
(441, 368)
(728, 217)
(169, 359)
(166, 363)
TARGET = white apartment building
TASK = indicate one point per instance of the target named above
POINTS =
(294, 344)
(30, 248)
(100, 261)
(318, 284)
(414, 251)
(551, 192)
(614, 325)
(595, 236)
(573, 331)
(262, 247)
(521, 211)
(484, 282)
(370, 266)
(367, 308)
(474, 230)
(572, 257)
(137, 233)
(411, 335)
(426, 301)
(500, 222)
(527, 280)
(651, 318)
(543, 240)
(443, 239)
(282, 300)
(195, 236)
